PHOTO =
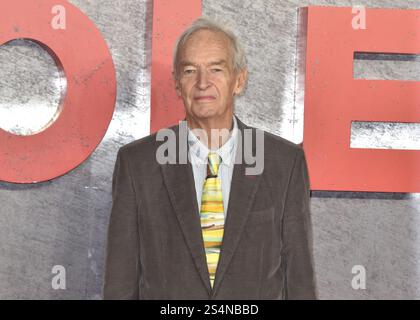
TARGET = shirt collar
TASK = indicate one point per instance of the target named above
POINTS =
(198, 151)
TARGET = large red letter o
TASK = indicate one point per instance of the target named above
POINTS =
(89, 103)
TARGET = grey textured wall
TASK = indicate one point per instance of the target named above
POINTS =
(64, 221)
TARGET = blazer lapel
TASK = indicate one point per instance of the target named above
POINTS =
(242, 192)
(179, 181)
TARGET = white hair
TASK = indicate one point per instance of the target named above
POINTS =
(239, 59)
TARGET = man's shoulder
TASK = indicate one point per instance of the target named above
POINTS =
(281, 144)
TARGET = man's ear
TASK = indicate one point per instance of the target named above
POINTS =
(177, 85)
(241, 82)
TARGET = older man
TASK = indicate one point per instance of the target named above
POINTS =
(206, 228)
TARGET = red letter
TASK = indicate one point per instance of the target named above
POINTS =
(333, 99)
(87, 110)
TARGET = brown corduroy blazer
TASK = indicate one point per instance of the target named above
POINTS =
(155, 248)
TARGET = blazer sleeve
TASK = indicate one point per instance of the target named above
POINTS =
(122, 253)
(297, 235)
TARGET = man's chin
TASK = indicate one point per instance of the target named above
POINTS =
(206, 113)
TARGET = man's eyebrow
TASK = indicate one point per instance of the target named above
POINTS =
(212, 63)
(186, 63)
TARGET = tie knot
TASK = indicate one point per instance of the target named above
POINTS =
(213, 163)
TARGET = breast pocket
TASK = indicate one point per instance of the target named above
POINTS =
(259, 226)
(259, 217)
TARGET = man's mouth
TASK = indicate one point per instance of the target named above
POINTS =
(205, 98)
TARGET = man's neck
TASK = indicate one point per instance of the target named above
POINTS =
(213, 133)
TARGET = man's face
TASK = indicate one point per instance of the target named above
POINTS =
(207, 81)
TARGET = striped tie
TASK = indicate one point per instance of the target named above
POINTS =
(212, 214)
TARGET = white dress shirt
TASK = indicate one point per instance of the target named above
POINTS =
(198, 153)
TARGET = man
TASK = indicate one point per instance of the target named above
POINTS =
(205, 228)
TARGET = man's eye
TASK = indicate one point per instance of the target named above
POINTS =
(189, 71)
(216, 70)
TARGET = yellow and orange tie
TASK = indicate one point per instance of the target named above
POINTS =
(212, 214)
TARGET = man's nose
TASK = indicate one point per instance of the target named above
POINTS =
(202, 81)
